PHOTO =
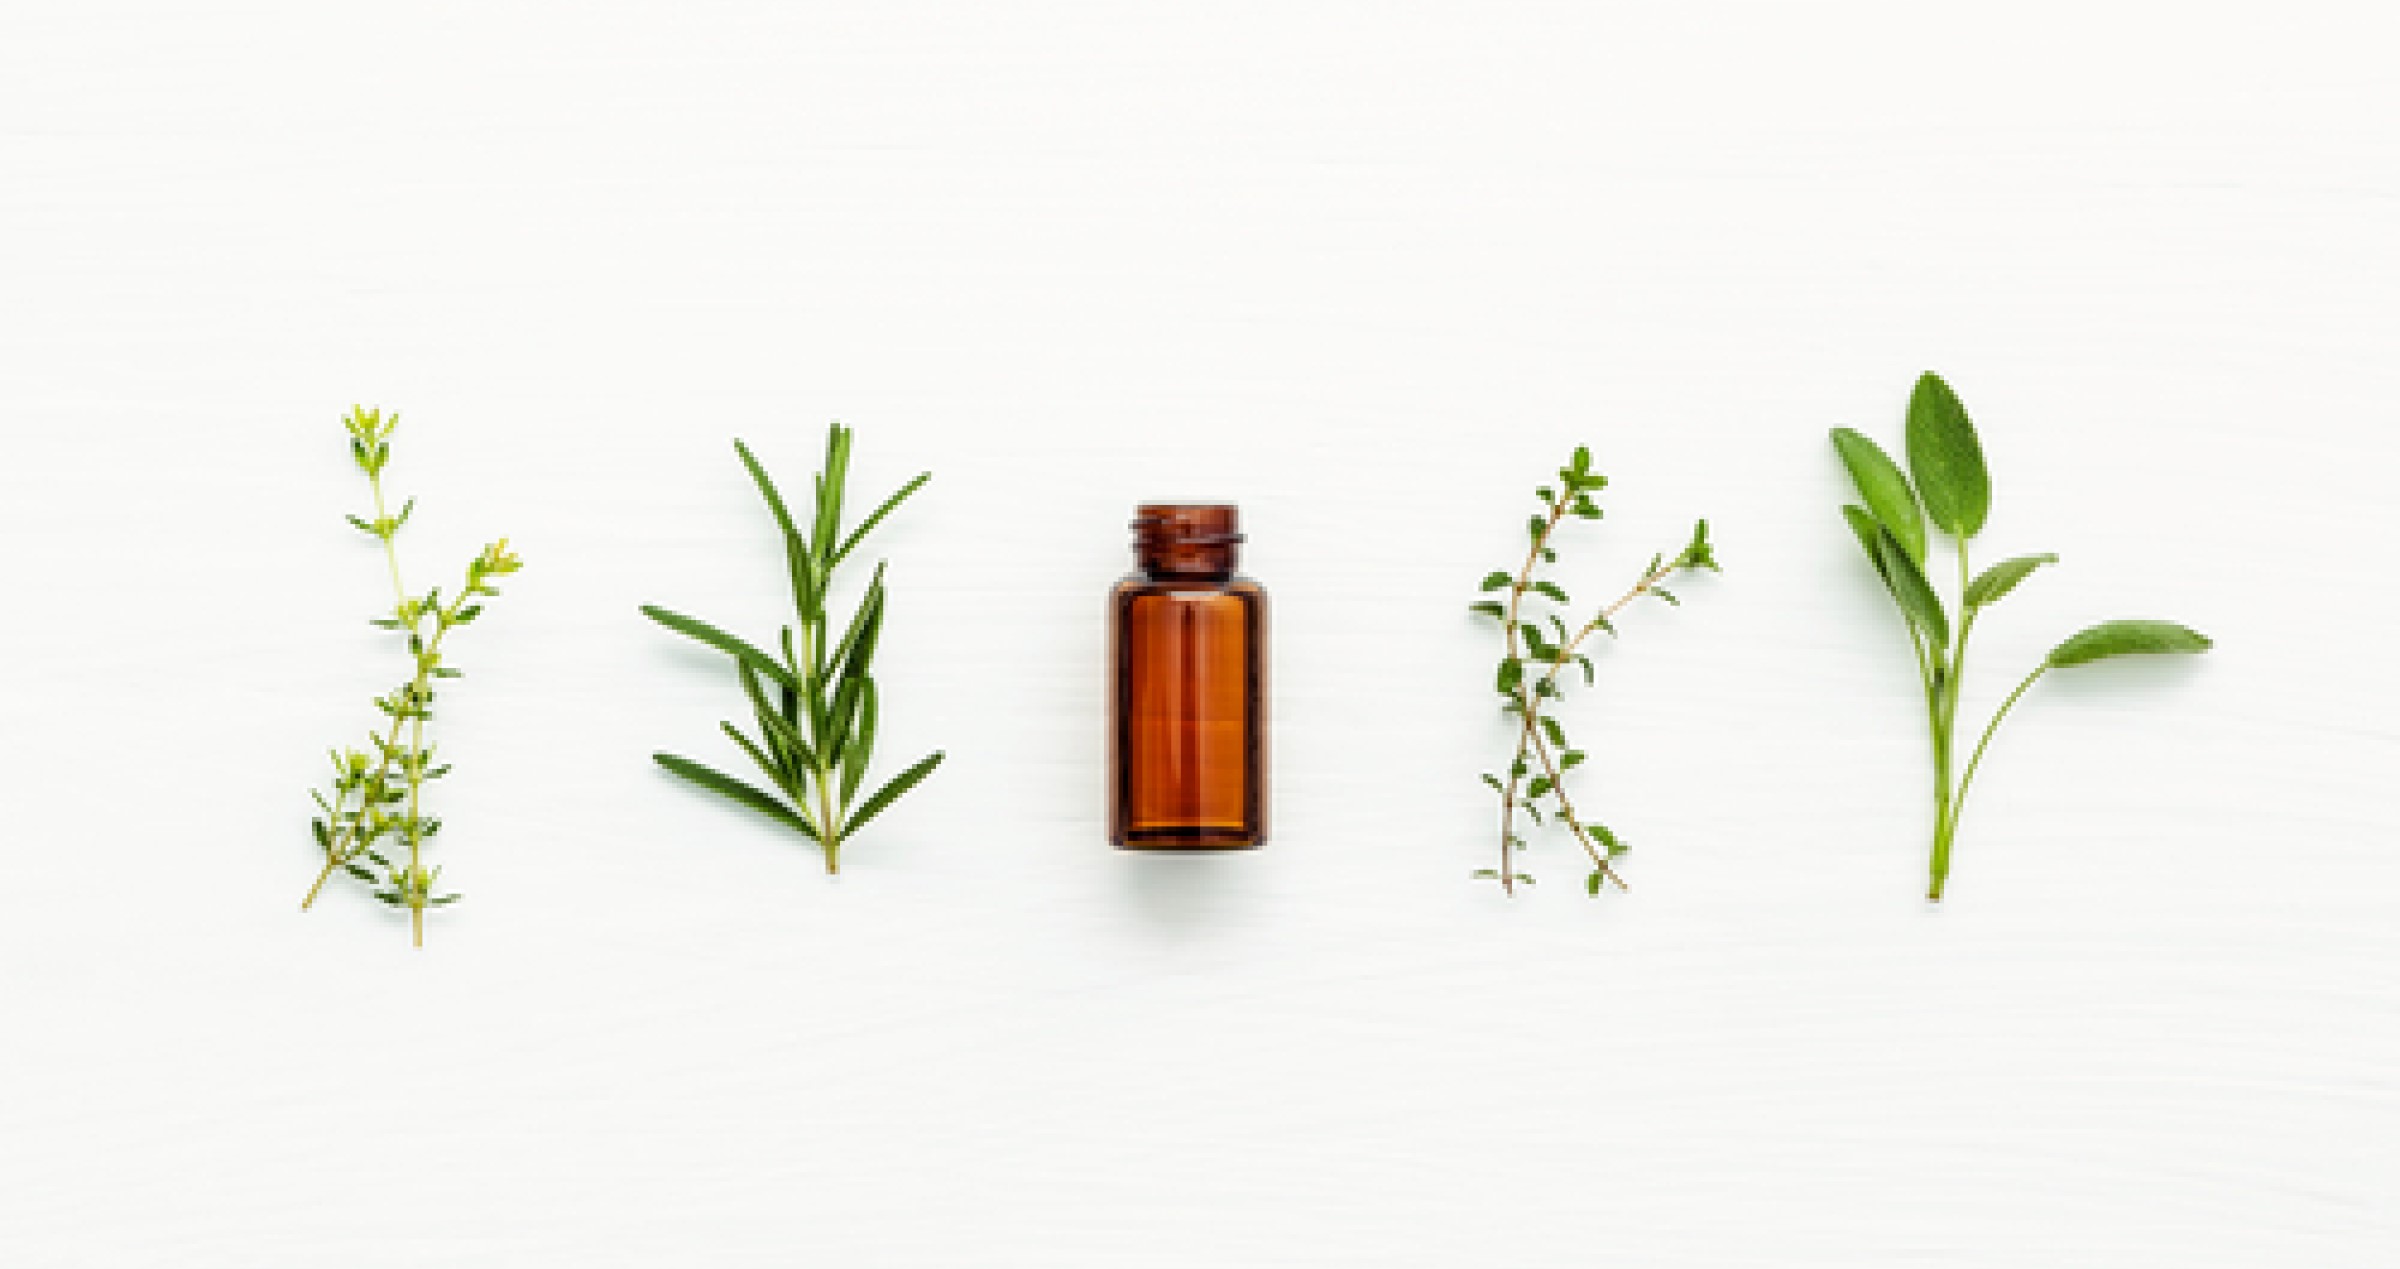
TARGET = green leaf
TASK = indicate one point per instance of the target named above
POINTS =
(864, 626)
(722, 642)
(2127, 638)
(1888, 495)
(859, 534)
(1494, 580)
(782, 736)
(747, 794)
(1870, 538)
(1592, 884)
(808, 586)
(1947, 459)
(1553, 590)
(830, 483)
(861, 746)
(891, 792)
(1916, 598)
(1995, 582)
(774, 771)
(1698, 553)
(1512, 673)
(1489, 607)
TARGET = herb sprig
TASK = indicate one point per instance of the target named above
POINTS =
(1535, 651)
(1954, 491)
(376, 798)
(816, 703)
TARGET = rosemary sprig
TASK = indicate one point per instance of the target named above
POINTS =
(377, 795)
(1534, 653)
(816, 703)
(1954, 491)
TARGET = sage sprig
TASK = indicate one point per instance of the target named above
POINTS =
(1535, 650)
(375, 804)
(1953, 490)
(814, 699)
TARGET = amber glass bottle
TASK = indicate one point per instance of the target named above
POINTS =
(1188, 718)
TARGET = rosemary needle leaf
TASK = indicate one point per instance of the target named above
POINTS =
(747, 794)
(766, 489)
(721, 641)
(859, 534)
(773, 770)
(891, 791)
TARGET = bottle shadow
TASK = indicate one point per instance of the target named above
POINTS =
(1187, 894)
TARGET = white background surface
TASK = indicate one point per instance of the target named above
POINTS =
(1370, 269)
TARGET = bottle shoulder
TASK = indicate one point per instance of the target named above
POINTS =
(1237, 588)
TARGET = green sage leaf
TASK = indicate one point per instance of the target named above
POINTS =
(1870, 538)
(1947, 459)
(1916, 598)
(1887, 492)
(2127, 638)
(1994, 583)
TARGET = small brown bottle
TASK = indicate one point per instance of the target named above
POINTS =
(1188, 715)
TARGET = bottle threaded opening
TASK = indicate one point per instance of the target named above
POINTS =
(1187, 537)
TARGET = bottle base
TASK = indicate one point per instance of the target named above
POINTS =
(1188, 839)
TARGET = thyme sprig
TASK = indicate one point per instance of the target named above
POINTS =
(1536, 650)
(815, 704)
(377, 793)
(1954, 491)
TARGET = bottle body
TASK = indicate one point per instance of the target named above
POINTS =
(1188, 724)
